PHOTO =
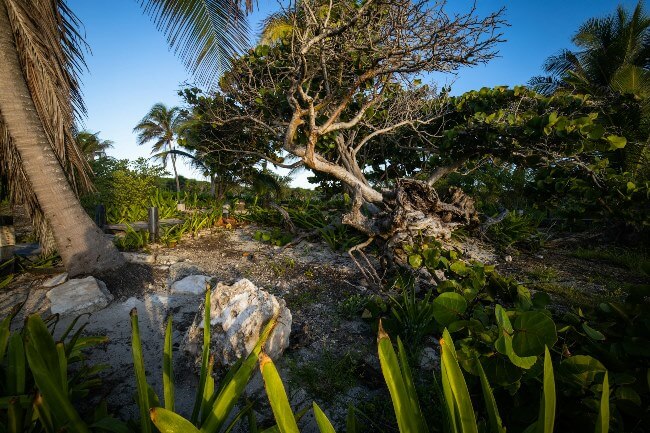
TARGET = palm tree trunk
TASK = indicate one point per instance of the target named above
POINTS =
(213, 185)
(81, 244)
(178, 184)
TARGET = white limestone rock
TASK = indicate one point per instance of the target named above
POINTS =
(139, 258)
(190, 285)
(238, 314)
(76, 296)
(56, 280)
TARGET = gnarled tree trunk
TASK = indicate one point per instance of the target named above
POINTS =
(412, 210)
(81, 244)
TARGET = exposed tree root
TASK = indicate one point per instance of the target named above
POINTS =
(411, 211)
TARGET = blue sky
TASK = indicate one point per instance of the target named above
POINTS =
(131, 67)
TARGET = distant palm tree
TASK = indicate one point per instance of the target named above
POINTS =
(91, 145)
(613, 55)
(162, 125)
(40, 56)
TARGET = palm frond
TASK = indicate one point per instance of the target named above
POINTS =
(50, 50)
(205, 34)
(275, 27)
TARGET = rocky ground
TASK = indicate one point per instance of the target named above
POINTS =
(331, 356)
(332, 353)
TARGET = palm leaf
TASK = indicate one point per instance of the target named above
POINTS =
(205, 34)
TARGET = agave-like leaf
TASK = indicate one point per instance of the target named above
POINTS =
(602, 423)
(43, 362)
(230, 393)
(324, 424)
(205, 358)
(456, 381)
(277, 395)
(169, 422)
(546, 421)
(140, 377)
(496, 426)
(168, 367)
(408, 417)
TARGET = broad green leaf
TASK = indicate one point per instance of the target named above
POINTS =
(592, 333)
(616, 142)
(580, 370)
(503, 344)
(169, 422)
(415, 260)
(502, 319)
(629, 394)
(448, 307)
(277, 396)
(533, 331)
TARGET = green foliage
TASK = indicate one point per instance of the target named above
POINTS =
(352, 306)
(515, 230)
(45, 380)
(213, 404)
(329, 376)
(637, 261)
(132, 240)
(127, 189)
(341, 237)
(613, 336)
(274, 237)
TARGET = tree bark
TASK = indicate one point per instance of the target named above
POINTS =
(81, 244)
(178, 184)
(213, 185)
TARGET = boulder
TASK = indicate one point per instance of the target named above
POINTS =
(56, 280)
(238, 314)
(76, 296)
(190, 285)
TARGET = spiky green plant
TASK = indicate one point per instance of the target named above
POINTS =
(213, 404)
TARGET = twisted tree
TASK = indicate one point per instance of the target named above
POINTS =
(344, 79)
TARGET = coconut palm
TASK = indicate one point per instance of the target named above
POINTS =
(161, 125)
(613, 58)
(41, 53)
(91, 145)
(613, 55)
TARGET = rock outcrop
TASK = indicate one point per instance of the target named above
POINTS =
(237, 316)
